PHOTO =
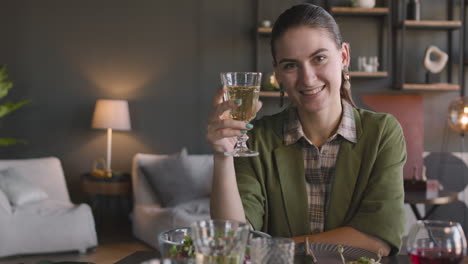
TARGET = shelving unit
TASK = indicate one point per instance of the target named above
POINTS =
(432, 24)
(359, 74)
(431, 87)
(385, 37)
(464, 48)
(264, 30)
(272, 94)
(402, 25)
(384, 53)
(376, 11)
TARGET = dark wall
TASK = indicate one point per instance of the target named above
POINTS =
(162, 56)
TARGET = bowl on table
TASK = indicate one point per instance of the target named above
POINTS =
(171, 242)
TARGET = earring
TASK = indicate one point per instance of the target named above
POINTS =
(281, 94)
(346, 82)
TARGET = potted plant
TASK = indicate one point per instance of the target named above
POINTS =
(8, 107)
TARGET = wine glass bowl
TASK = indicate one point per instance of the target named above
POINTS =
(432, 241)
(243, 86)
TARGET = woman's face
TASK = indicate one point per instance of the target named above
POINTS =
(309, 66)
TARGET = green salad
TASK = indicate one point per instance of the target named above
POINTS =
(361, 260)
(185, 250)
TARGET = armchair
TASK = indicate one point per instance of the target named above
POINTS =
(44, 223)
(170, 191)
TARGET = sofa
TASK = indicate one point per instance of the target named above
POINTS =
(36, 214)
(170, 191)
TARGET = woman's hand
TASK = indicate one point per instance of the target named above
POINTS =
(221, 130)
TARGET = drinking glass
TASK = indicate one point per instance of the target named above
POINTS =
(433, 241)
(246, 87)
(219, 241)
(272, 251)
(168, 261)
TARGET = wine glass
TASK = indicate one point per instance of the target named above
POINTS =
(246, 87)
(219, 241)
(431, 241)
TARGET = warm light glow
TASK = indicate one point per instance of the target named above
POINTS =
(122, 76)
(111, 114)
(458, 115)
(464, 120)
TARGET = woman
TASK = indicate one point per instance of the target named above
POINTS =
(326, 170)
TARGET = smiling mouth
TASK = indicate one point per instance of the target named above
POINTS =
(313, 91)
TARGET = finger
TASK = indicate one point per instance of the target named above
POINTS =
(218, 98)
(227, 123)
(225, 133)
(221, 108)
(259, 105)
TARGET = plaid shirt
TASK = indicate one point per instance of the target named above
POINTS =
(319, 163)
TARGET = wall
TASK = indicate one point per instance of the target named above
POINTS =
(164, 57)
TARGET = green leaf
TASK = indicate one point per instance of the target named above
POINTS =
(3, 73)
(5, 88)
(5, 84)
(7, 108)
(11, 141)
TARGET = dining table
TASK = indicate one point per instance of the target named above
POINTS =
(140, 256)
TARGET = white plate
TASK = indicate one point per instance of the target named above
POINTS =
(328, 253)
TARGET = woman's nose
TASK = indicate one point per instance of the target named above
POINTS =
(308, 75)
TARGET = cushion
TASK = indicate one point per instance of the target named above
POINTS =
(195, 207)
(4, 202)
(18, 189)
(180, 177)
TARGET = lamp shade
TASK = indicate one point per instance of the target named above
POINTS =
(111, 114)
(458, 115)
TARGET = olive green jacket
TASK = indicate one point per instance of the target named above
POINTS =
(367, 187)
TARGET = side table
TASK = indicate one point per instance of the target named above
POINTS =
(442, 197)
(109, 198)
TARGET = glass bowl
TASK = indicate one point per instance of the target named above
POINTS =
(171, 241)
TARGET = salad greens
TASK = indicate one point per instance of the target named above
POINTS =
(361, 260)
(186, 250)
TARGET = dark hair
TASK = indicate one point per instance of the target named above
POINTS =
(315, 17)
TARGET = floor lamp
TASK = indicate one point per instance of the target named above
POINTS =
(111, 114)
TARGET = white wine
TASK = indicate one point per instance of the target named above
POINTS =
(249, 96)
(205, 259)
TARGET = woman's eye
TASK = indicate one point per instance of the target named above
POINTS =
(319, 58)
(289, 66)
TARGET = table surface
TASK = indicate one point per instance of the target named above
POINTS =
(117, 185)
(140, 256)
(441, 197)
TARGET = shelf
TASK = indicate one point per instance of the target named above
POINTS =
(358, 74)
(431, 87)
(264, 30)
(432, 24)
(378, 11)
(272, 94)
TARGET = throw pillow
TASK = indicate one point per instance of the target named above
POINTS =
(201, 173)
(4, 203)
(176, 179)
(18, 189)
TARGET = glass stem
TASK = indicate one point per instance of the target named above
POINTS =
(241, 145)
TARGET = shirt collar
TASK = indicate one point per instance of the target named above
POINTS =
(293, 128)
